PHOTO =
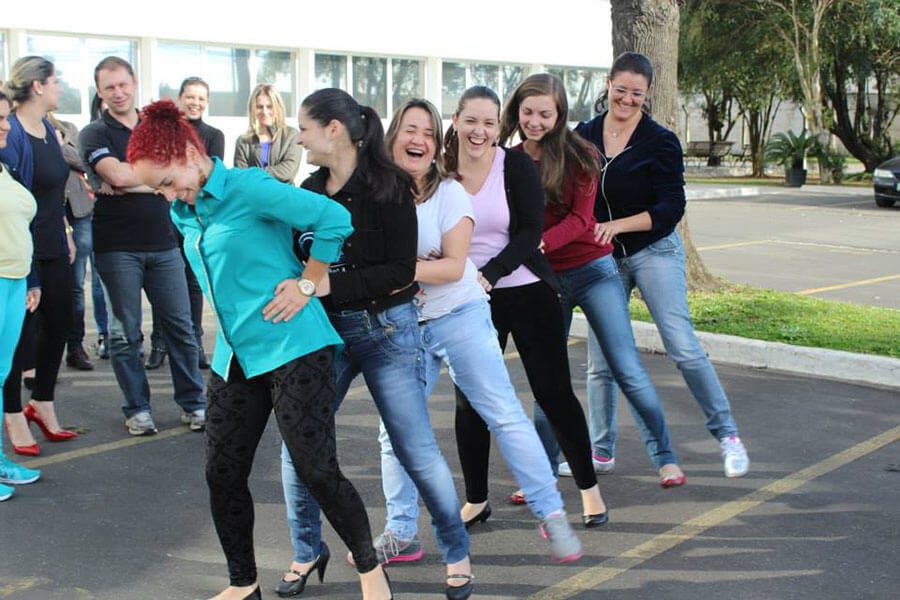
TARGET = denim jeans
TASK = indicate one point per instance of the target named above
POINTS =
(596, 288)
(84, 252)
(161, 276)
(466, 341)
(386, 348)
(658, 272)
(195, 294)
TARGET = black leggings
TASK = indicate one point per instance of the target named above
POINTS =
(532, 314)
(302, 395)
(44, 334)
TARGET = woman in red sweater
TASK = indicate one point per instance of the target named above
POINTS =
(538, 113)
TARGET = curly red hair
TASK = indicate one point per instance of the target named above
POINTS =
(162, 135)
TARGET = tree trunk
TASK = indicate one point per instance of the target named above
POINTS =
(651, 28)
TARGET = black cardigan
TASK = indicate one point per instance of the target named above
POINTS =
(648, 175)
(378, 257)
(525, 197)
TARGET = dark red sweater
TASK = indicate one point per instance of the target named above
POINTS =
(569, 236)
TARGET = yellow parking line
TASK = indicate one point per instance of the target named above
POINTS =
(162, 435)
(842, 286)
(609, 569)
(734, 245)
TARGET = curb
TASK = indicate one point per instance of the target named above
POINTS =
(865, 369)
(709, 193)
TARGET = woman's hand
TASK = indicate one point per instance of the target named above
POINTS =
(605, 232)
(288, 301)
(484, 282)
(32, 299)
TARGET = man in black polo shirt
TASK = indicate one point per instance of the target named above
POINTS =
(135, 249)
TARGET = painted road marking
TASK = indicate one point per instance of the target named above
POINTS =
(734, 245)
(842, 286)
(590, 579)
(163, 435)
(838, 247)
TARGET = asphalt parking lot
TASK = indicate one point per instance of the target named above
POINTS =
(119, 518)
(829, 242)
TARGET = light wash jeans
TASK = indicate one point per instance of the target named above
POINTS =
(84, 253)
(658, 272)
(386, 348)
(465, 339)
(596, 288)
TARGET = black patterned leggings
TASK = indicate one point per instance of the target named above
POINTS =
(302, 395)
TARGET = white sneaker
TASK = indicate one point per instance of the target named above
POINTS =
(196, 420)
(734, 456)
(602, 466)
(140, 424)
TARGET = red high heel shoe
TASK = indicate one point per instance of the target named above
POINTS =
(32, 450)
(62, 435)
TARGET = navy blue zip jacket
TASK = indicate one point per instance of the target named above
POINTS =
(648, 175)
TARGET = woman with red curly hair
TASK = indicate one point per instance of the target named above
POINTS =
(271, 352)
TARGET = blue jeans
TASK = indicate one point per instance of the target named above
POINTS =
(84, 252)
(161, 276)
(386, 348)
(466, 341)
(596, 288)
(658, 272)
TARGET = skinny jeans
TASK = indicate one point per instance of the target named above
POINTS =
(532, 315)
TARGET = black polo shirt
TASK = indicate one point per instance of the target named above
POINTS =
(131, 222)
(379, 257)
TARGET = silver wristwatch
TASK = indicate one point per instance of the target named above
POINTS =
(307, 287)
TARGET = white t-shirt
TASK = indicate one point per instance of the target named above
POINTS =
(439, 214)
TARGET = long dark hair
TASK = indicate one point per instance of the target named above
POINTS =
(630, 62)
(563, 153)
(385, 181)
(451, 139)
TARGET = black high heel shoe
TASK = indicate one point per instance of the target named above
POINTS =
(288, 589)
(481, 517)
(460, 592)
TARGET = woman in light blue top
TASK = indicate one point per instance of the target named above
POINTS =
(455, 321)
(271, 353)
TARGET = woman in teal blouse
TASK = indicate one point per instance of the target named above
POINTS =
(275, 346)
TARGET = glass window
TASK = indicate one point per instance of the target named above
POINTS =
(582, 88)
(452, 87)
(2, 55)
(513, 75)
(488, 75)
(65, 54)
(175, 63)
(96, 49)
(331, 71)
(370, 83)
(227, 70)
(407, 80)
(275, 67)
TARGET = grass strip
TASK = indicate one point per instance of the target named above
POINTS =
(765, 314)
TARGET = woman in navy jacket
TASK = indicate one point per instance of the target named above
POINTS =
(639, 203)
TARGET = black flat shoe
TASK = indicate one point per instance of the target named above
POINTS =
(289, 589)
(481, 517)
(156, 359)
(461, 592)
(591, 521)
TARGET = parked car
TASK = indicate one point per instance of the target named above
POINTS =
(887, 182)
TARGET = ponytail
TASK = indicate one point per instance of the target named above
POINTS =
(386, 182)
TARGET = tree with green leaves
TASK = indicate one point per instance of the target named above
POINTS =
(861, 77)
